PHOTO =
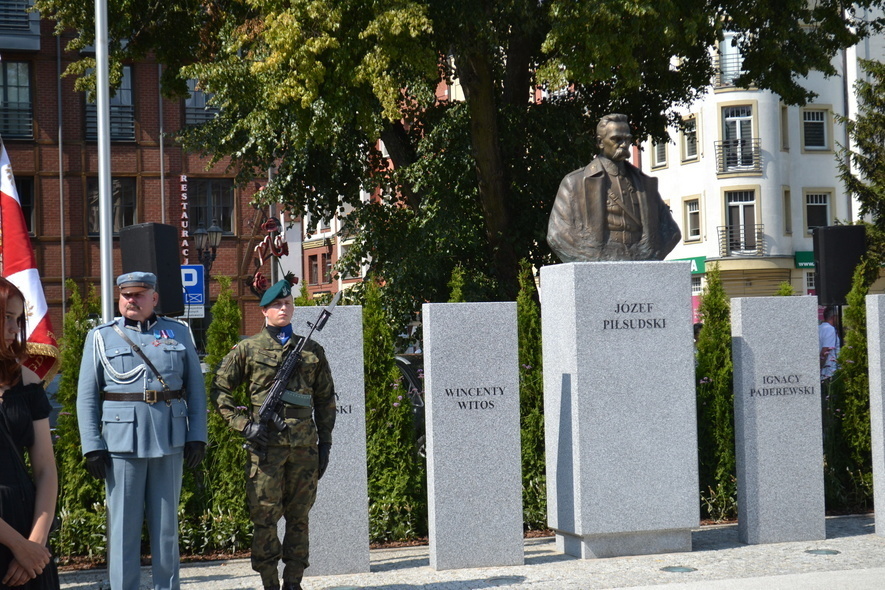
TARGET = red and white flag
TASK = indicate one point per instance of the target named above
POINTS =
(19, 265)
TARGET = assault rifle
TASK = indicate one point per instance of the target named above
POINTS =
(269, 412)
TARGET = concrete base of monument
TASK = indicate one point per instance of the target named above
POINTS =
(622, 544)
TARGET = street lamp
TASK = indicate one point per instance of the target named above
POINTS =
(204, 240)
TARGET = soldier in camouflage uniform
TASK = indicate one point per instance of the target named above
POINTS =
(284, 482)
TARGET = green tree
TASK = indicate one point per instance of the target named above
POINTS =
(862, 170)
(531, 402)
(397, 477)
(715, 395)
(308, 87)
(81, 496)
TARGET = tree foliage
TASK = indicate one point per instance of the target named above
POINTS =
(307, 87)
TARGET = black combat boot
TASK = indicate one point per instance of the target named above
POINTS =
(292, 586)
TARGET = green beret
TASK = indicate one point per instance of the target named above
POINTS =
(279, 290)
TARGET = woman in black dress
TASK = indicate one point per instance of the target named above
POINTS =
(27, 507)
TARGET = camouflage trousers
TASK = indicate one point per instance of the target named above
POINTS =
(283, 484)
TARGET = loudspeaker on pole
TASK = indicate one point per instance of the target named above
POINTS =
(837, 250)
(153, 247)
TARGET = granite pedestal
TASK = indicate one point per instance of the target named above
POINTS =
(876, 349)
(777, 419)
(339, 520)
(474, 476)
(619, 406)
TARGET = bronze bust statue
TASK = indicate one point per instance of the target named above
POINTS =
(610, 210)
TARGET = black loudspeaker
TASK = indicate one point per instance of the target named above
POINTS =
(153, 247)
(837, 250)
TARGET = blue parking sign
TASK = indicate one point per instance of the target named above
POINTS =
(193, 282)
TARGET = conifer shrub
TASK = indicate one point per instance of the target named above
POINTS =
(397, 475)
(715, 403)
(531, 402)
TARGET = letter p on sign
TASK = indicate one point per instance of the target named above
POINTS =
(189, 277)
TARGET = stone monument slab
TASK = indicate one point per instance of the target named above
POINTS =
(474, 475)
(777, 407)
(339, 520)
(876, 349)
(619, 406)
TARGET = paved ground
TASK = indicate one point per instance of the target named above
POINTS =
(853, 558)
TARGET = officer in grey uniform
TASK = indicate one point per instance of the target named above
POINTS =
(141, 418)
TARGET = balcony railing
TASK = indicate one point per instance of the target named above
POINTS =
(199, 115)
(728, 68)
(16, 120)
(122, 120)
(741, 240)
(738, 155)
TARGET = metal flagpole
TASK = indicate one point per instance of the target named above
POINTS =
(102, 90)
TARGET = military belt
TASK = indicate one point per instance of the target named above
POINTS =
(150, 396)
(291, 412)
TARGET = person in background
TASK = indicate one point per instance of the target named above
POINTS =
(27, 507)
(829, 343)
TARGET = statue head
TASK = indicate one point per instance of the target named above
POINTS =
(613, 137)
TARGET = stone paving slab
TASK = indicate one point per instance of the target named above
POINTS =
(720, 562)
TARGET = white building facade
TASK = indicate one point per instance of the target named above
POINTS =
(750, 176)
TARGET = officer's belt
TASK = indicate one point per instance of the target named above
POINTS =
(291, 412)
(302, 400)
(150, 396)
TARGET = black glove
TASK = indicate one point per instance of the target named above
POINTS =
(325, 449)
(194, 451)
(256, 433)
(97, 463)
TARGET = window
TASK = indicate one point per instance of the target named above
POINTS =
(741, 220)
(327, 267)
(692, 220)
(350, 272)
(690, 140)
(24, 186)
(785, 128)
(122, 112)
(659, 154)
(196, 107)
(817, 211)
(123, 204)
(810, 280)
(788, 212)
(313, 270)
(19, 26)
(814, 129)
(16, 109)
(211, 200)
(737, 131)
(730, 61)
(697, 285)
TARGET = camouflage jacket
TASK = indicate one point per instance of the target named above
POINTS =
(255, 361)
